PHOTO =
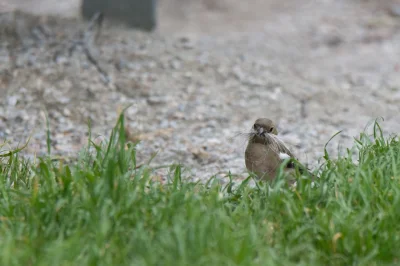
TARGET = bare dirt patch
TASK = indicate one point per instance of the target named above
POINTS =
(209, 71)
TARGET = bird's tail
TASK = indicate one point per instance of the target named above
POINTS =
(295, 164)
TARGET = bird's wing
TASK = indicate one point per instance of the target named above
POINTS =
(279, 147)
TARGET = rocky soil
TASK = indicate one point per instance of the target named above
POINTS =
(206, 74)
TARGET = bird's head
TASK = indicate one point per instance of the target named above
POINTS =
(264, 126)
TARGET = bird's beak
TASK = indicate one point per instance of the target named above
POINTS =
(260, 131)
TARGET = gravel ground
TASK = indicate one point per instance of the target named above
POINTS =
(208, 72)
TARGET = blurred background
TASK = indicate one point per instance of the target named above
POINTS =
(180, 15)
(196, 73)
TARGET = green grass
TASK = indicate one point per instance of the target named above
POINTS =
(103, 210)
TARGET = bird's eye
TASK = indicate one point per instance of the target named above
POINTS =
(271, 129)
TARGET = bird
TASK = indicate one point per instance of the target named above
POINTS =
(265, 152)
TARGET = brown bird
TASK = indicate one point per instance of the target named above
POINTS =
(265, 152)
